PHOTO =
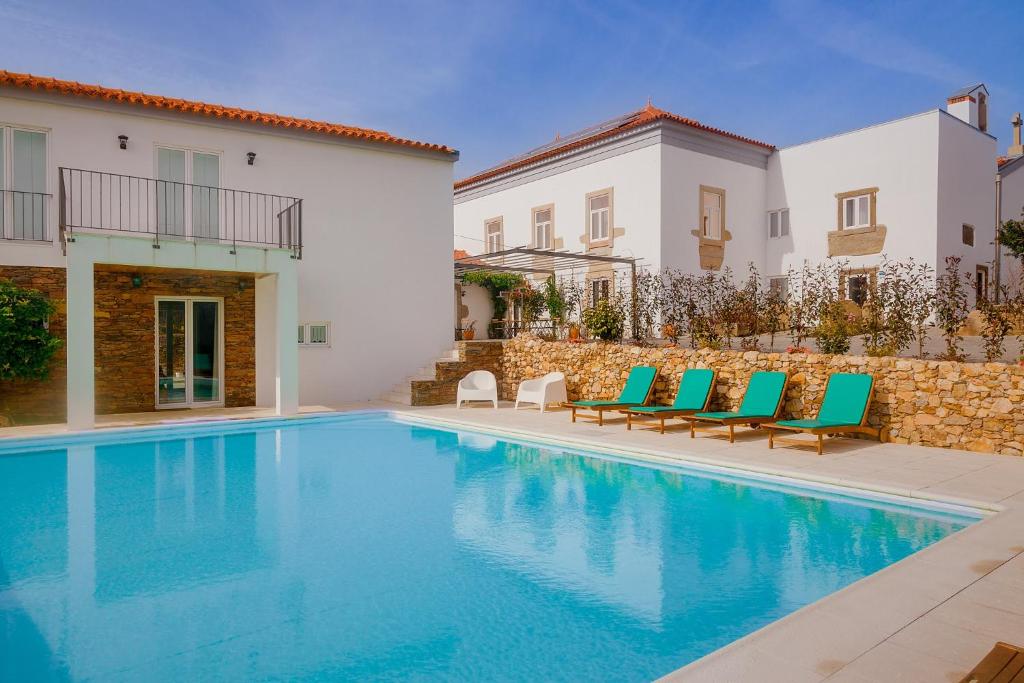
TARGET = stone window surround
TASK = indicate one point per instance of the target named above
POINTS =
(708, 189)
(551, 226)
(870, 271)
(606, 241)
(500, 221)
(872, 192)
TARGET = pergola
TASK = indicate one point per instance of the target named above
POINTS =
(529, 261)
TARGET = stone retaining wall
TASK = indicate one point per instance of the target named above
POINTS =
(971, 406)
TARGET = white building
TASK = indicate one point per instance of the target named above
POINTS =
(190, 243)
(679, 194)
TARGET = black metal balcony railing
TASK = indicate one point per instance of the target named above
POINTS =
(96, 200)
(23, 215)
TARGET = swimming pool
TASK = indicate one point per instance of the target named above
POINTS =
(364, 547)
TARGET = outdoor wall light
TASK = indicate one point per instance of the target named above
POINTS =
(252, 157)
(123, 141)
(136, 281)
(242, 286)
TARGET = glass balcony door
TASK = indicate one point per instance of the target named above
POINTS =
(189, 352)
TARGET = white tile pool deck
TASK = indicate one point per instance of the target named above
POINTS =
(930, 617)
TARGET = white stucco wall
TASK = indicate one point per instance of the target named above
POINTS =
(966, 174)
(899, 158)
(377, 227)
(1012, 209)
(683, 173)
(634, 177)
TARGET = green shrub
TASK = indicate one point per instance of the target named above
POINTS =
(605, 321)
(26, 345)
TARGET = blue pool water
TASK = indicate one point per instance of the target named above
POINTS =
(366, 548)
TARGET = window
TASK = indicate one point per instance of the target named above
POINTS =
(184, 172)
(856, 209)
(600, 289)
(712, 212)
(315, 334)
(494, 238)
(599, 211)
(857, 289)
(542, 227)
(779, 286)
(778, 223)
(23, 184)
(980, 283)
(968, 235)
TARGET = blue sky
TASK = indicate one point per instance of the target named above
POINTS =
(495, 79)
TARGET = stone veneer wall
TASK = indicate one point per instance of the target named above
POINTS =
(124, 333)
(971, 406)
(125, 328)
(473, 355)
(40, 401)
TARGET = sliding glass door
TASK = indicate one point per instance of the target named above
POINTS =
(189, 352)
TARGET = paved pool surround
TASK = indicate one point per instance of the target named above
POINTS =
(969, 406)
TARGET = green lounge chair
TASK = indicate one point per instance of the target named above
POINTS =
(693, 396)
(761, 403)
(638, 389)
(844, 409)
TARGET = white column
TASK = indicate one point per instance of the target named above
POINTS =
(287, 402)
(81, 392)
(266, 341)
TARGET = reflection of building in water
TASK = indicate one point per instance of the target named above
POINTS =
(560, 520)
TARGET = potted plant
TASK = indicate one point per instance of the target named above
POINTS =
(468, 333)
(574, 332)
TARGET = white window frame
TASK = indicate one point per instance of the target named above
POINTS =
(597, 284)
(707, 231)
(6, 196)
(189, 358)
(860, 220)
(548, 227)
(306, 334)
(604, 214)
(494, 241)
(782, 226)
(189, 171)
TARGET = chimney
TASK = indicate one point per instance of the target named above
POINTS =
(1016, 149)
(970, 105)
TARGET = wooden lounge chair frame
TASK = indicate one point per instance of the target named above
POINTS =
(1004, 663)
(662, 415)
(821, 432)
(731, 422)
(617, 407)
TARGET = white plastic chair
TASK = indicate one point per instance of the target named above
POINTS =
(544, 390)
(478, 385)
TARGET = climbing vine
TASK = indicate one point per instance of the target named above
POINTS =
(495, 284)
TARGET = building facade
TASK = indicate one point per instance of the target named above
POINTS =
(202, 255)
(679, 194)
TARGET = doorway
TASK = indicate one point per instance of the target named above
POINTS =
(189, 352)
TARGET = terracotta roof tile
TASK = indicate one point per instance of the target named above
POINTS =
(641, 117)
(97, 92)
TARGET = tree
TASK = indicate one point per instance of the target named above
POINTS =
(1011, 236)
(26, 345)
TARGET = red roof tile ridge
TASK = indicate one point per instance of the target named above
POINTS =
(648, 114)
(74, 88)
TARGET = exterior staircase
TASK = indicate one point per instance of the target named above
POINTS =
(436, 384)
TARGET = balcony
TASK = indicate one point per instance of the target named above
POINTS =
(169, 210)
(23, 215)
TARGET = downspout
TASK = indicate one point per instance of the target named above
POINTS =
(999, 224)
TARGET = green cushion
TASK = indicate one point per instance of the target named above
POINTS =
(657, 409)
(638, 385)
(846, 397)
(809, 424)
(597, 404)
(723, 415)
(694, 388)
(764, 391)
